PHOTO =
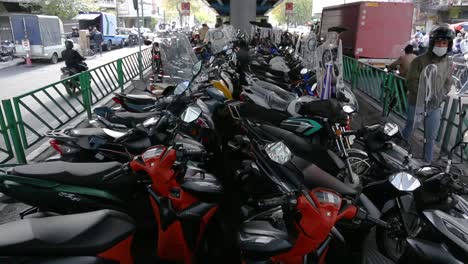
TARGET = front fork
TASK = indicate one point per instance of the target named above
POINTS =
(343, 145)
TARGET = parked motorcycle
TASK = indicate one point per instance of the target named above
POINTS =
(7, 50)
(427, 215)
(87, 238)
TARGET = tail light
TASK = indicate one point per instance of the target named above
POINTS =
(117, 100)
(156, 57)
(202, 123)
(61, 148)
(242, 97)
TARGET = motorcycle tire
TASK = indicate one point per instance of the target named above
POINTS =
(383, 236)
(68, 87)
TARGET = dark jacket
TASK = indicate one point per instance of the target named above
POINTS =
(72, 58)
(98, 38)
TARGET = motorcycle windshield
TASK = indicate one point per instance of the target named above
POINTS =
(272, 95)
(177, 56)
(219, 39)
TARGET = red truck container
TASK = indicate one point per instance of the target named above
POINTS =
(377, 32)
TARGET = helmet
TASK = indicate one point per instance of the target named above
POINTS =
(441, 33)
(69, 44)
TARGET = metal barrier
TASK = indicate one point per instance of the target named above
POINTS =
(30, 115)
(383, 86)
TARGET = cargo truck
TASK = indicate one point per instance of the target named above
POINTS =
(106, 23)
(376, 32)
(44, 33)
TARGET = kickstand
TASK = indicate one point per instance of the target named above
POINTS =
(30, 210)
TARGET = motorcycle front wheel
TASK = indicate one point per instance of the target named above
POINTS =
(392, 241)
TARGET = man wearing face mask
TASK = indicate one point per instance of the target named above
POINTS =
(440, 43)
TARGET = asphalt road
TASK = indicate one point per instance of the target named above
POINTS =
(21, 79)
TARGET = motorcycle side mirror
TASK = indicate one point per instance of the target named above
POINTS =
(181, 88)
(278, 152)
(349, 109)
(304, 71)
(196, 69)
(404, 182)
(390, 129)
(191, 114)
(147, 42)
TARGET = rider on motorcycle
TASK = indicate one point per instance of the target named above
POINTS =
(73, 59)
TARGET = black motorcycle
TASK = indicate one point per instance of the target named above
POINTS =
(71, 83)
(427, 215)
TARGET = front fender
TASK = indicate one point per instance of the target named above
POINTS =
(405, 200)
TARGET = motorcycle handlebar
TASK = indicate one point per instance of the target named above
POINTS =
(362, 214)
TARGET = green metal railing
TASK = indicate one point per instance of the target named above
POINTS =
(383, 87)
(32, 114)
(378, 84)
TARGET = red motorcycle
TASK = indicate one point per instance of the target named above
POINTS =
(295, 204)
(184, 198)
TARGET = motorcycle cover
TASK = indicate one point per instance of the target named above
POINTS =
(177, 55)
(309, 48)
(270, 96)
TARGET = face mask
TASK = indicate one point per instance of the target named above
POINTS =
(440, 51)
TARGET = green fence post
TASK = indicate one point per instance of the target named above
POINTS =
(85, 84)
(120, 74)
(354, 73)
(13, 129)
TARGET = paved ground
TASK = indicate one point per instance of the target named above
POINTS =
(22, 79)
(12, 63)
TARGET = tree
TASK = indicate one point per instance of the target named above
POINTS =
(64, 9)
(196, 9)
(302, 12)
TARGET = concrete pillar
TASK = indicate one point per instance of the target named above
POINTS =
(242, 12)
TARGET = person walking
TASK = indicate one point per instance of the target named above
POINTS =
(404, 61)
(98, 39)
(440, 43)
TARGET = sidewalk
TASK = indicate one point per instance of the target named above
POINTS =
(14, 62)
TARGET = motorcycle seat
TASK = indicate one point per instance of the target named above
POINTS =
(315, 177)
(73, 235)
(129, 118)
(79, 132)
(269, 75)
(255, 112)
(138, 98)
(138, 145)
(81, 174)
(330, 109)
(313, 153)
(198, 181)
